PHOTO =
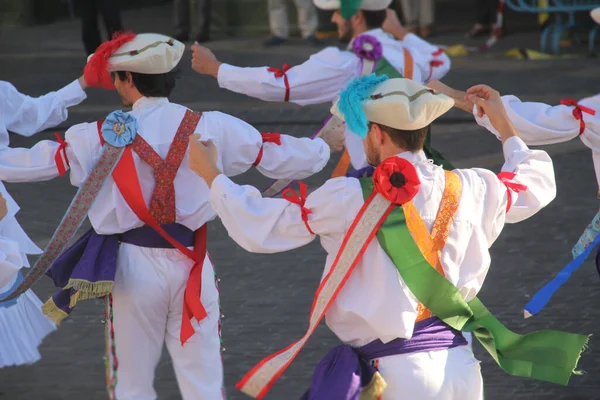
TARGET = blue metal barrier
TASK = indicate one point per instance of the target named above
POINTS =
(563, 14)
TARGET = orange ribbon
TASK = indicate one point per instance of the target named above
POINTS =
(507, 179)
(578, 112)
(293, 197)
(57, 156)
(282, 73)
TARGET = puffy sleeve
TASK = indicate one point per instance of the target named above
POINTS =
(269, 225)
(432, 61)
(27, 115)
(11, 263)
(30, 165)
(531, 168)
(240, 144)
(318, 80)
(542, 124)
(83, 150)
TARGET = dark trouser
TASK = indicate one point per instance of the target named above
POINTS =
(486, 11)
(193, 17)
(90, 32)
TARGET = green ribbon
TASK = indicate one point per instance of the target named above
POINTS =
(544, 355)
(382, 67)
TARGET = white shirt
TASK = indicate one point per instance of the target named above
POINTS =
(322, 77)
(26, 116)
(237, 142)
(375, 303)
(541, 124)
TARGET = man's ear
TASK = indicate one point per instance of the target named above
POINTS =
(378, 134)
(129, 78)
(358, 18)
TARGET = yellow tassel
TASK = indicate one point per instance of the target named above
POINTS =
(53, 313)
(374, 389)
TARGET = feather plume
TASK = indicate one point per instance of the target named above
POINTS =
(350, 103)
(96, 71)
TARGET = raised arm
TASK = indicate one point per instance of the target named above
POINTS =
(35, 164)
(276, 156)
(318, 80)
(526, 183)
(27, 115)
(267, 225)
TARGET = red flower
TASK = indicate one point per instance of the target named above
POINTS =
(396, 179)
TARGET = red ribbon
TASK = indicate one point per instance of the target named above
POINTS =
(282, 72)
(578, 112)
(267, 137)
(434, 64)
(126, 179)
(511, 186)
(292, 197)
(438, 52)
(57, 156)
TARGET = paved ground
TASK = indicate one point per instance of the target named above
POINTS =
(266, 299)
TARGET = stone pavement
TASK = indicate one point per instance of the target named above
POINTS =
(266, 298)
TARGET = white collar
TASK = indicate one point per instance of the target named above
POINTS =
(414, 158)
(144, 102)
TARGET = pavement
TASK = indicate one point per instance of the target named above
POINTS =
(266, 298)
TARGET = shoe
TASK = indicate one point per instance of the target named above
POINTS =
(313, 41)
(182, 37)
(274, 41)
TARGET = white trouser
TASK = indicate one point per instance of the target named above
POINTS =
(452, 374)
(148, 305)
(278, 18)
(418, 12)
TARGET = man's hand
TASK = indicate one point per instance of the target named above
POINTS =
(457, 95)
(203, 159)
(3, 207)
(82, 82)
(489, 102)
(392, 25)
(204, 61)
(335, 139)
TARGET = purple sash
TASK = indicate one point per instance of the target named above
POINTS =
(87, 269)
(342, 373)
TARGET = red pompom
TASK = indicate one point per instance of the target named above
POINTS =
(96, 72)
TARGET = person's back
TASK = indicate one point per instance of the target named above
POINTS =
(407, 253)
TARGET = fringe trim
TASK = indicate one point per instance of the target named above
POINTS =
(374, 389)
(88, 290)
(53, 313)
(583, 350)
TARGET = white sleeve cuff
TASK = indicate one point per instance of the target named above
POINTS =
(219, 189)
(224, 74)
(72, 94)
(513, 144)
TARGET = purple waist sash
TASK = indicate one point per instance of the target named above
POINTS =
(345, 370)
(87, 269)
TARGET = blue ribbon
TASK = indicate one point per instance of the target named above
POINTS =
(15, 285)
(543, 296)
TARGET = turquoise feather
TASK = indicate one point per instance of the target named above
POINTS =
(351, 99)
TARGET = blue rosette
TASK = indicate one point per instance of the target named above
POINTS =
(119, 128)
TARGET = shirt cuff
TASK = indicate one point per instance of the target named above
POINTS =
(72, 94)
(513, 144)
(224, 74)
(219, 190)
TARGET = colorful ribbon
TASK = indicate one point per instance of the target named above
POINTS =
(578, 112)
(283, 73)
(507, 179)
(293, 197)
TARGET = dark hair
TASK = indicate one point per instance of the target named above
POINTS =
(374, 19)
(408, 140)
(152, 85)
